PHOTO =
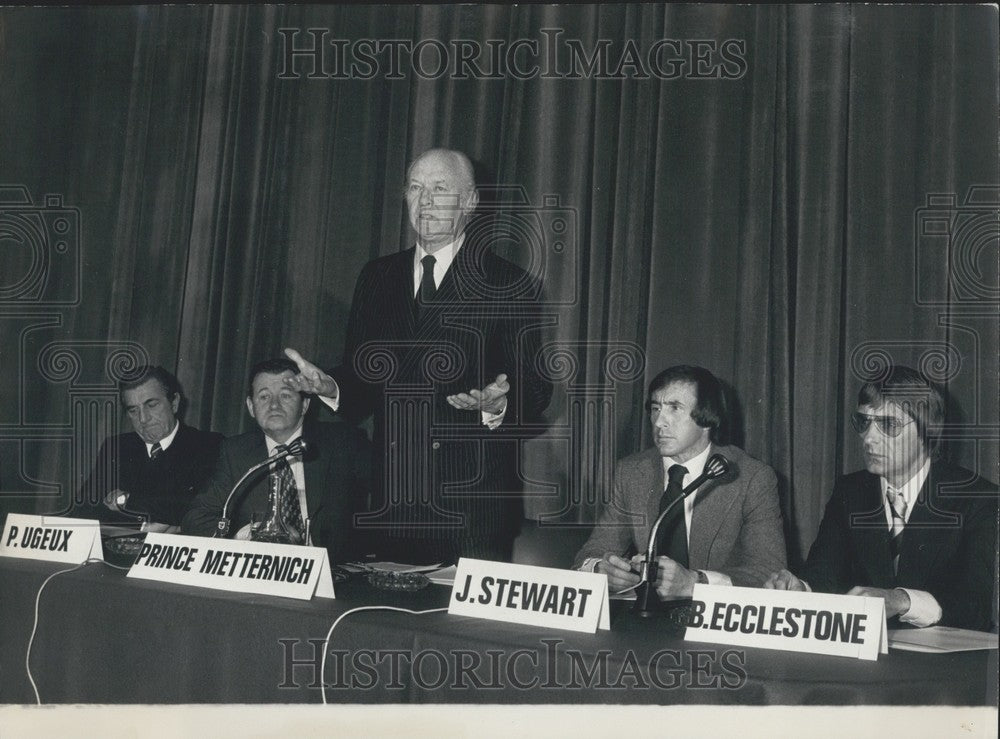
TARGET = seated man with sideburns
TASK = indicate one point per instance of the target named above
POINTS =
(729, 532)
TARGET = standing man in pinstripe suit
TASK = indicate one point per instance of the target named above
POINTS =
(441, 351)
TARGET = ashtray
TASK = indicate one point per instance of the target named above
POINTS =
(125, 546)
(405, 581)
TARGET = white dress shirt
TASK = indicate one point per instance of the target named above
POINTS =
(443, 258)
(165, 442)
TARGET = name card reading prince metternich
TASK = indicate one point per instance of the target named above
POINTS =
(240, 566)
(820, 623)
(51, 538)
(536, 596)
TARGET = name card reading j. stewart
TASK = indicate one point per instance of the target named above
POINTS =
(536, 596)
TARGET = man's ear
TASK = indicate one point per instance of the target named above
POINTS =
(305, 405)
(176, 402)
(250, 408)
(472, 200)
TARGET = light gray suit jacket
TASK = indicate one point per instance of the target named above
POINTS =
(736, 524)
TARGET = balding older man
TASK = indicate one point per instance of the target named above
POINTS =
(440, 351)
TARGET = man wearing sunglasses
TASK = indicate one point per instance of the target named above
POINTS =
(910, 528)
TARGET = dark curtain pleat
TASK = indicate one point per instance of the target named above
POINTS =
(769, 228)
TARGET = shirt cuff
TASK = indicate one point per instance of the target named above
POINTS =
(589, 564)
(924, 609)
(717, 578)
(493, 420)
(332, 403)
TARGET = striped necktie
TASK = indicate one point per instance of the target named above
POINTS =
(897, 503)
(156, 451)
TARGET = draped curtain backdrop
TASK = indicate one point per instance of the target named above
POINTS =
(777, 227)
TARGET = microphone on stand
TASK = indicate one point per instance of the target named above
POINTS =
(295, 449)
(647, 600)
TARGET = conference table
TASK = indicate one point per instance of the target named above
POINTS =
(102, 637)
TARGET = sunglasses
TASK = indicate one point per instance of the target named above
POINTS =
(888, 425)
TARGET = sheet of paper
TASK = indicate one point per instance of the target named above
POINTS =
(443, 576)
(941, 639)
(388, 567)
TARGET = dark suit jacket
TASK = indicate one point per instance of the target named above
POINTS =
(438, 471)
(336, 465)
(159, 489)
(949, 543)
(735, 523)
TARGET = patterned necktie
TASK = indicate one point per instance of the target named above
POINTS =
(898, 505)
(427, 288)
(287, 492)
(156, 451)
(672, 539)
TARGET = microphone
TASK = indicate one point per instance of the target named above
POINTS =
(646, 597)
(295, 449)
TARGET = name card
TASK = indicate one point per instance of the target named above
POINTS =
(536, 596)
(51, 538)
(239, 566)
(820, 623)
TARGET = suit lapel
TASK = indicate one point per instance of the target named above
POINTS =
(648, 493)
(870, 532)
(925, 534)
(312, 465)
(400, 291)
(711, 506)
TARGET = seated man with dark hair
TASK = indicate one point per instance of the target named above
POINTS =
(916, 531)
(319, 489)
(729, 532)
(151, 474)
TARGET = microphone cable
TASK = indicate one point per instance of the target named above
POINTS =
(34, 625)
(341, 617)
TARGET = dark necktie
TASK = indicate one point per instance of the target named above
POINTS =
(287, 492)
(156, 451)
(897, 503)
(672, 539)
(427, 289)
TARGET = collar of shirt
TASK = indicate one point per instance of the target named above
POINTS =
(694, 466)
(272, 444)
(910, 490)
(166, 441)
(443, 258)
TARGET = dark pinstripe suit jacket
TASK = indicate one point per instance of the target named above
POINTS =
(949, 543)
(438, 471)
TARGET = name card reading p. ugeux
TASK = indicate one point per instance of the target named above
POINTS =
(536, 596)
(819, 623)
(51, 538)
(240, 566)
